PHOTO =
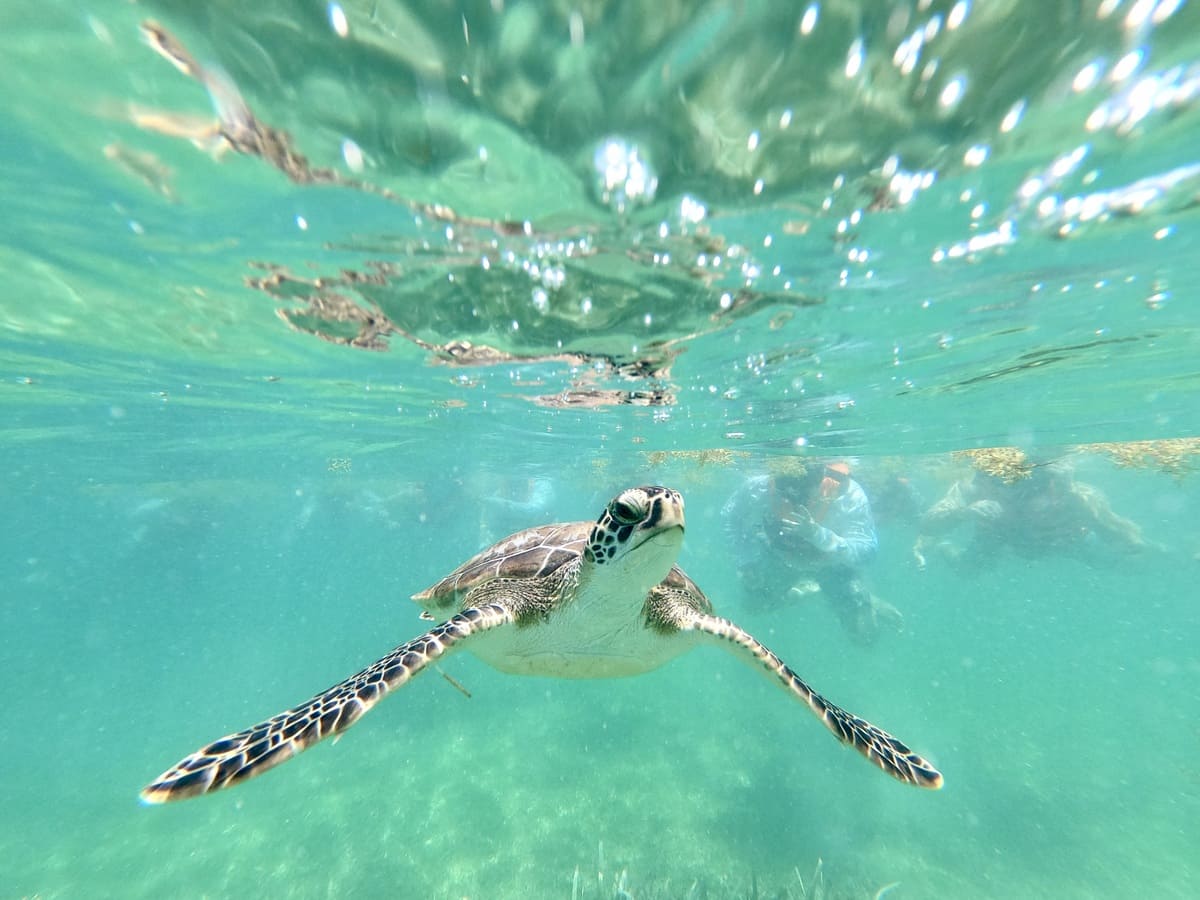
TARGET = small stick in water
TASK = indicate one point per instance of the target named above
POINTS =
(454, 682)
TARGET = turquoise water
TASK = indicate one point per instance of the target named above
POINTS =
(239, 430)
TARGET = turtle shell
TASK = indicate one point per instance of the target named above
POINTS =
(532, 553)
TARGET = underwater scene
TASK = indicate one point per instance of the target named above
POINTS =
(833, 365)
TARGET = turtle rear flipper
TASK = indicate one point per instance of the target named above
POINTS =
(889, 753)
(247, 753)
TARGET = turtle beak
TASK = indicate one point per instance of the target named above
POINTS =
(668, 511)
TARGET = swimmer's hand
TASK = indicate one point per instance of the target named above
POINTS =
(798, 522)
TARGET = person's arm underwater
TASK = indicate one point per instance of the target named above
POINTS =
(848, 534)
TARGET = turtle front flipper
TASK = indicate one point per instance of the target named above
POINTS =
(247, 753)
(889, 753)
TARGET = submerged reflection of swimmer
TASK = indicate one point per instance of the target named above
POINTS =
(1045, 513)
(794, 535)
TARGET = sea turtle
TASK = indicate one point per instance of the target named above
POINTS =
(575, 600)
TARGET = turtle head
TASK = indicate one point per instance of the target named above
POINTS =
(641, 527)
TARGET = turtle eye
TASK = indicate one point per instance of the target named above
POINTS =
(625, 513)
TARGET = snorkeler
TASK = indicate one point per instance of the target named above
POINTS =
(1038, 511)
(799, 534)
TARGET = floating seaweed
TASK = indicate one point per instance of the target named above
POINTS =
(716, 456)
(1174, 456)
(787, 465)
(1009, 464)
